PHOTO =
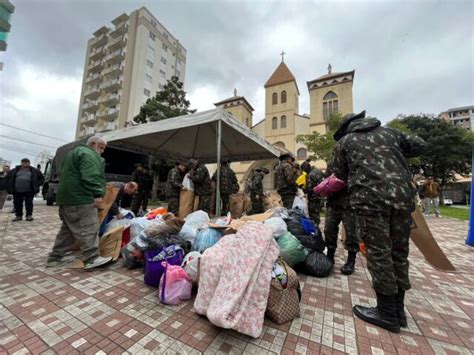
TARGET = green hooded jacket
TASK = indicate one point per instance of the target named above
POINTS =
(82, 177)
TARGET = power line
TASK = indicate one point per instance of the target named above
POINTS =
(38, 134)
(24, 141)
(18, 151)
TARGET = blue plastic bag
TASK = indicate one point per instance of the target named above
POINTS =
(206, 238)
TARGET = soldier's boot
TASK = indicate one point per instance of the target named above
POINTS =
(349, 267)
(400, 304)
(330, 254)
(384, 315)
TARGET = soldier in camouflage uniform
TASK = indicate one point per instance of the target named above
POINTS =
(228, 185)
(202, 184)
(286, 180)
(314, 177)
(372, 159)
(256, 190)
(174, 185)
(337, 211)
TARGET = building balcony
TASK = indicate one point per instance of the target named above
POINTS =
(99, 41)
(98, 53)
(87, 131)
(92, 93)
(89, 120)
(111, 114)
(115, 57)
(114, 70)
(95, 67)
(110, 126)
(109, 100)
(93, 79)
(111, 85)
(90, 106)
(119, 30)
(117, 43)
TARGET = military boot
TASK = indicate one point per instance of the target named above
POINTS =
(384, 315)
(330, 254)
(349, 266)
(400, 304)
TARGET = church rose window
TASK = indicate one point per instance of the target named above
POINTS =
(301, 153)
(330, 105)
(283, 97)
(283, 122)
(274, 123)
(274, 98)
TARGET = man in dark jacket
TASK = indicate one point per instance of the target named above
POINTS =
(145, 185)
(313, 179)
(3, 185)
(372, 159)
(80, 192)
(256, 190)
(228, 185)
(174, 185)
(286, 180)
(24, 183)
(202, 183)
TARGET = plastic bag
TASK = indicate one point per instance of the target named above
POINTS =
(278, 226)
(300, 204)
(317, 264)
(175, 285)
(313, 242)
(329, 186)
(114, 222)
(192, 223)
(191, 265)
(293, 221)
(126, 214)
(279, 212)
(206, 238)
(172, 254)
(138, 225)
(291, 250)
(188, 183)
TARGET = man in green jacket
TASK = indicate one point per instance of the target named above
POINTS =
(80, 192)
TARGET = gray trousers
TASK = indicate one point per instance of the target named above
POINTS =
(79, 223)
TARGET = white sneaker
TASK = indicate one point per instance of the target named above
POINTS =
(99, 261)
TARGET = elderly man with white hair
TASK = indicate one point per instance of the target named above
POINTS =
(80, 192)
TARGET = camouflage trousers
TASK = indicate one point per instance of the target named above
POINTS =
(257, 204)
(314, 209)
(288, 200)
(386, 238)
(225, 204)
(173, 205)
(205, 203)
(334, 216)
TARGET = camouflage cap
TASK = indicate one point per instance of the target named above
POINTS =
(346, 120)
(287, 155)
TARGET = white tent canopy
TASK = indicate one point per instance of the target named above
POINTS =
(194, 136)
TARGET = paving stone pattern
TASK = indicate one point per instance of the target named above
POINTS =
(111, 311)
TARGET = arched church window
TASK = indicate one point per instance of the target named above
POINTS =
(283, 122)
(283, 97)
(301, 153)
(274, 98)
(330, 105)
(248, 122)
(274, 123)
(279, 144)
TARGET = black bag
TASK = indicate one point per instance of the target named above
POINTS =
(293, 221)
(314, 242)
(317, 264)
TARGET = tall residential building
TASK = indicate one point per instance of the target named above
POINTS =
(6, 10)
(125, 65)
(460, 116)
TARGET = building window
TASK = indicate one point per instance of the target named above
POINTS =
(283, 122)
(274, 98)
(152, 36)
(146, 92)
(330, 105)
(151, 51)
(274, 123)
(160, 86)
(162, 73)
(248, 122)
(163, 60)
(165, 47)
(149, 63)
(279, 144)
(283, 97)
(148, 78)
(301, 153)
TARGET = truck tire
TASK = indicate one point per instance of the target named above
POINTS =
(50, 201)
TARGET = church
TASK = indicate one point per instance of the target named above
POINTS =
(329, 93)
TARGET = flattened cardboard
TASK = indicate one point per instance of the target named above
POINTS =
(423, 239)
(109, 198)
(186, 203)
(111, 243)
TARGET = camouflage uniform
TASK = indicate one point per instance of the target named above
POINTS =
(286, 183)
(256, 193)
(174, 184)
(145, 185)
(314, 202)
(228, 185)
(372, 159)
(202, 186)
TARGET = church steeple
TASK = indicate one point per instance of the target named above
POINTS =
(281, 75)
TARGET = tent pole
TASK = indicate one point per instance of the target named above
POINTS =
(218, 172)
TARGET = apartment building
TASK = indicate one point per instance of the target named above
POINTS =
(125, 65)
(6, 10)
(460, 116)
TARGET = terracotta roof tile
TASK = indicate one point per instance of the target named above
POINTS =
(281, 75)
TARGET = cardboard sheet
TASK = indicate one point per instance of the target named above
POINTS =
(107, 201)
(111, 243)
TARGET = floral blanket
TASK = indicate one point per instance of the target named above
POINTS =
(235, 277)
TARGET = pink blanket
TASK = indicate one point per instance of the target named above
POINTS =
(235, 277)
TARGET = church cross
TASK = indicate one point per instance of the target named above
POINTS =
(282, 56)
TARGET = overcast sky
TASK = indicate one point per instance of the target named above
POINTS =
(409, 56)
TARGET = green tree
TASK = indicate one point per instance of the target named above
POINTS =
(321, 146)
(169, 102)
(448, 147)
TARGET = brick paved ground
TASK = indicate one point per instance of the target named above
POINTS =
(111, 311)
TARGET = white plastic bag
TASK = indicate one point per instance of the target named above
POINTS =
(138, 225)
(192, 223)
(188, 183)
(191, 265)
(114, 222)
(301, 204)
(278, 226)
